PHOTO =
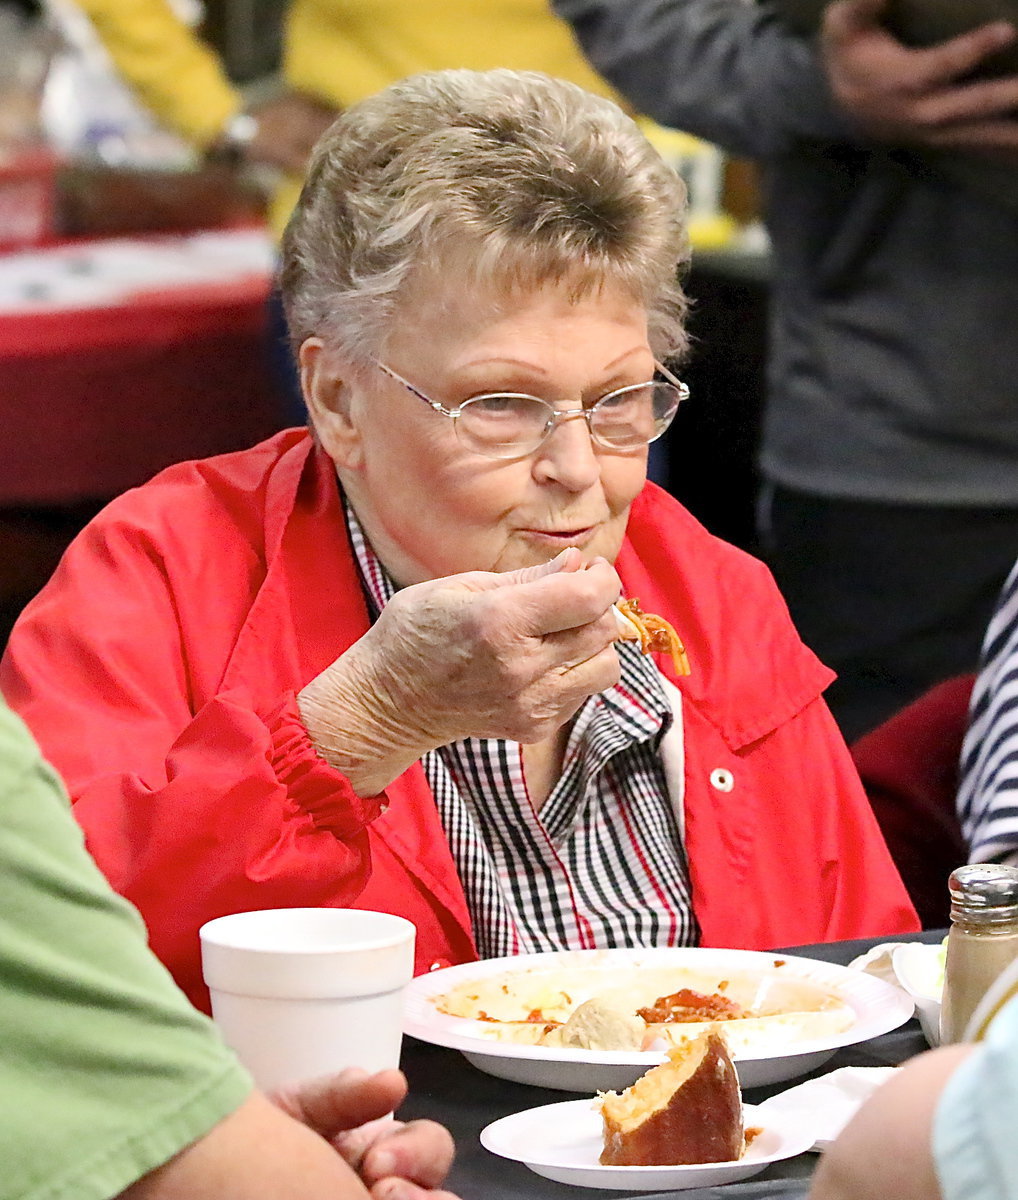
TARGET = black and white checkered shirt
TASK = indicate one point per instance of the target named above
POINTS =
(603, 863)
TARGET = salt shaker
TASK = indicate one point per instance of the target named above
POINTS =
(982, 940)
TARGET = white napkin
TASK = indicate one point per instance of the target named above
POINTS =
(828, 1103)
(877, 961)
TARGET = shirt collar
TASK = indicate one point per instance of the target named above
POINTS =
(378, 585)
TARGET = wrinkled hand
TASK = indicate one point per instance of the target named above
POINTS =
(288, 127)
(395, 1160)
(509, 655)
(919, 96)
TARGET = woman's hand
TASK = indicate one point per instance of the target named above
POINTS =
(509, 655)
(396, 1160)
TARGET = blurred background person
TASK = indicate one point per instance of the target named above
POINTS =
(334, 52)
(112, 1085)
(890, 440)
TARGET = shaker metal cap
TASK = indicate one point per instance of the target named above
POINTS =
(984, 892)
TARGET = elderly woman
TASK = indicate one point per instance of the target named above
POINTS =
(376, 665)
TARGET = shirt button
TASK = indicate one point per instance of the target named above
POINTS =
(722, 779)
(439, 963)
(383, 806)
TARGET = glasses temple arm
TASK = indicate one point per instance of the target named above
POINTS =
(672, 379)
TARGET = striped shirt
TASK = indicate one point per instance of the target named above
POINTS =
(602, 864)
(988, 792)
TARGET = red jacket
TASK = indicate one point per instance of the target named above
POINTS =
(158, 670)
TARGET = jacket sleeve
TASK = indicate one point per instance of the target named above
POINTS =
(173, 72)
(725, 70)
(196, 800)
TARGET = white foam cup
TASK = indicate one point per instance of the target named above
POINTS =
(300, 992)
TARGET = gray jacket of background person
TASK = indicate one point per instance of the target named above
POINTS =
(893, 373)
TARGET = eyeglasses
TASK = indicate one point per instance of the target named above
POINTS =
(513, 424)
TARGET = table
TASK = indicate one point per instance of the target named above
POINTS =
(120, 357)
(446, 1088)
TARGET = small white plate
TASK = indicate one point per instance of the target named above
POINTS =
(563, 1142)
(878, 1008)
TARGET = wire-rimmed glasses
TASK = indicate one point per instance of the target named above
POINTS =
(513, 424)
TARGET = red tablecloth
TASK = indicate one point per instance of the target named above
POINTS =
(96, 400)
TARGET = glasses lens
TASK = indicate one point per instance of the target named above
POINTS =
(503, 425)
(634, 416)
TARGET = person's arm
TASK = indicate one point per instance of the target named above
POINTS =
(287, 1148)
(109, 1080)
(177, 75)
(197, 797)
(725, 70)
(987, 799)
(941, 1129)
(181, 79)
(886, 1149)
(919, 96)
(257, 1152)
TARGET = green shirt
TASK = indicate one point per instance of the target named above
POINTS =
(105, 1069)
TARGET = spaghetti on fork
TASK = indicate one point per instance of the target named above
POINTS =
(654, 633)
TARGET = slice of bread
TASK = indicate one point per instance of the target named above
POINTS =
(687, 1110)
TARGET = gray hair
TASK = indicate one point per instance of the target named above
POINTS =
(517, 178)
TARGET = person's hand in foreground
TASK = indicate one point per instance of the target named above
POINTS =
(397, 1160)
(481, 654)
(885, 1150)
(920, 96)
(308, 1143)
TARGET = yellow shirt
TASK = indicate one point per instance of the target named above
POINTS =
(336, 50)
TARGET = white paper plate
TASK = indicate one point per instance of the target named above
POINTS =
(878, 1007)
(563, 1142)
